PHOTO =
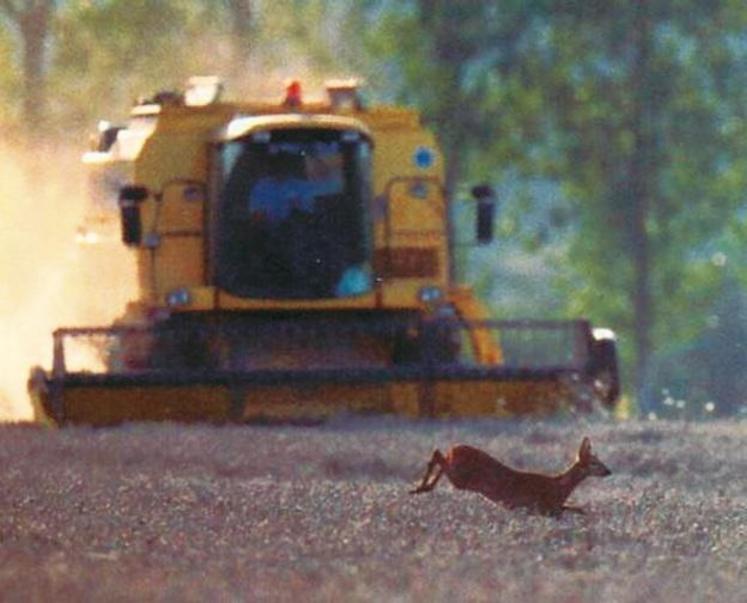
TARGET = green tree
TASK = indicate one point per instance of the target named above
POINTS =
(32, 21)
(108, 52)
(645, 102)
(633, 109)
(444, 57)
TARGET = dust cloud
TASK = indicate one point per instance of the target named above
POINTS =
(48, 277)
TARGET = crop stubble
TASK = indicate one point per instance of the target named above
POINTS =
(177, 513)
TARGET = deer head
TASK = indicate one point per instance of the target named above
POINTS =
(590, 463)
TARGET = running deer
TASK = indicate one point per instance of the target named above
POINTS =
(472, 469)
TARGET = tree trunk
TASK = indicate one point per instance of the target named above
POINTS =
(449, 54)
(242, 30)
(33, 22)
(640, 173)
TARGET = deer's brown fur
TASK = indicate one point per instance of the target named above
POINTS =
(469, 468)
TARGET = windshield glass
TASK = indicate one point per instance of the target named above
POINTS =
(293, 215)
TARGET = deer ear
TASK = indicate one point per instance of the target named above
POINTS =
(585, 450)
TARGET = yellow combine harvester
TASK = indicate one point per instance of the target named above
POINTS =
(295, 261)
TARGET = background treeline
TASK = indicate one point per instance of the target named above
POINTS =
(614, 132)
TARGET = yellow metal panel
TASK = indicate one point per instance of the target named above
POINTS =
(201, 298)
(227, 301)
(402, 293)
(487, 348)
(405, 398)
(99, 405)
(394, 156)
(179, 262)
(415, 211)
(176, 150)
(181, 209)
(417, 206)
(497, 398)
(179, 255)
(314, 402)
(167, 158)
(387, 117)
(111, 405)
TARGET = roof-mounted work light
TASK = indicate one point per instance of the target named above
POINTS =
(343, 94)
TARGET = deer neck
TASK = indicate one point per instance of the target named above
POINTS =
(569, 479)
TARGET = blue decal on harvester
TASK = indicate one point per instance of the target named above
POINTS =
(424, 157)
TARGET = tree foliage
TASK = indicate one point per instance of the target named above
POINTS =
(633, 109)
(645, 104)
(31, 21)
(615, 131)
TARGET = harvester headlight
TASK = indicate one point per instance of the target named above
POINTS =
(431, 296)
(178, 297)
(343, 94)
(203, 91)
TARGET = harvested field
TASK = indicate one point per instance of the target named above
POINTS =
(173, 513)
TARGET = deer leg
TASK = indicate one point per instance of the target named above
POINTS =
(437, 460)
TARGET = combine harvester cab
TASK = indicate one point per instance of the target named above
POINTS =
(295, 262)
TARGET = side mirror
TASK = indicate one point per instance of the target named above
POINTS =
(485, 197)
(130, 198)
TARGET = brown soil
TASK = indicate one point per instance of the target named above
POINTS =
(175, 513)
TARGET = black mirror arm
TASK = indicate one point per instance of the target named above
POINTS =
(484, 195)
